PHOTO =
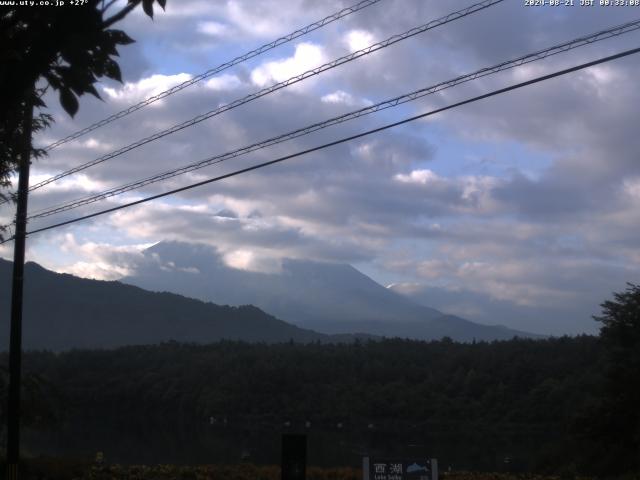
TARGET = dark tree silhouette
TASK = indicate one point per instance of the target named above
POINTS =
(64, 48)
(473, 404)
(38, 399)
(618, 419)
(67, 49)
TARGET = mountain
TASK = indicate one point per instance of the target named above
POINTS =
(62, 312)
(331, 298)
(484, 308)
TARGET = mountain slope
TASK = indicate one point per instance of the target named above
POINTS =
(326, 297)
(484, 308)
(62, 311)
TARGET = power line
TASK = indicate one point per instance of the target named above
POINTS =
(224, 66)
(343, 140)
(539, 55)
(278, 86)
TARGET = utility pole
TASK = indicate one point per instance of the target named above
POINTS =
(15, 341)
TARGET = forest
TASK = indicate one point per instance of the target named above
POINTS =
(564, 405)
(509, 405)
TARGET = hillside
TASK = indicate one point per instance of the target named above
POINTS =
(331, 298)
(62, 311)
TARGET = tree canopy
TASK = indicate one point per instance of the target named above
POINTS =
(470, 405)
(617, 419)
(67, 49)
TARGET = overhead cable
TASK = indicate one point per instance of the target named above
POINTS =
(340, 141)
(509, 64)
(278, 86)
(213, 71)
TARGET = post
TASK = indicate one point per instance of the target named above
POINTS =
(15, 336)
(294, 457)
(365, 468)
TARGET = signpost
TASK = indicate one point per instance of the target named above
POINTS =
(294, 457)
(399, 469)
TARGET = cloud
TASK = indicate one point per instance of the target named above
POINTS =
(345, 98)
(258, 18)
(306, 56)
(133, 92)
(358, 40)
(543, 224)
(248, 242)
(224, 82)
(100, 261)
(213, 29)
(422, 176)
(248, 260)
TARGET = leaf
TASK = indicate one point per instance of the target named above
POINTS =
(75, 78)
(112, 70)
(119, 37)
(92, 90)
(75, 56)
(162, 3)
(147, 6)
(68, 101)
(105, 46)
(53, 79)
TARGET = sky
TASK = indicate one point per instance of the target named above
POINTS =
(521, 210)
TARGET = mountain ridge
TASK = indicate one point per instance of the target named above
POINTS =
(331, 298)
(62, 311)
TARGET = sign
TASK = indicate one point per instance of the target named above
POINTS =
(399, 469)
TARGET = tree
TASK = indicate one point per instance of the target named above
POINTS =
(39, 405)
(617, 423)
(65, 48)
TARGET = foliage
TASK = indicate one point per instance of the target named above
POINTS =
(472, 403)
(54, 469)
(10, 139)
(520, 381)
(613, 427)
(67, 49)
(560, 405)
(38, 400)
